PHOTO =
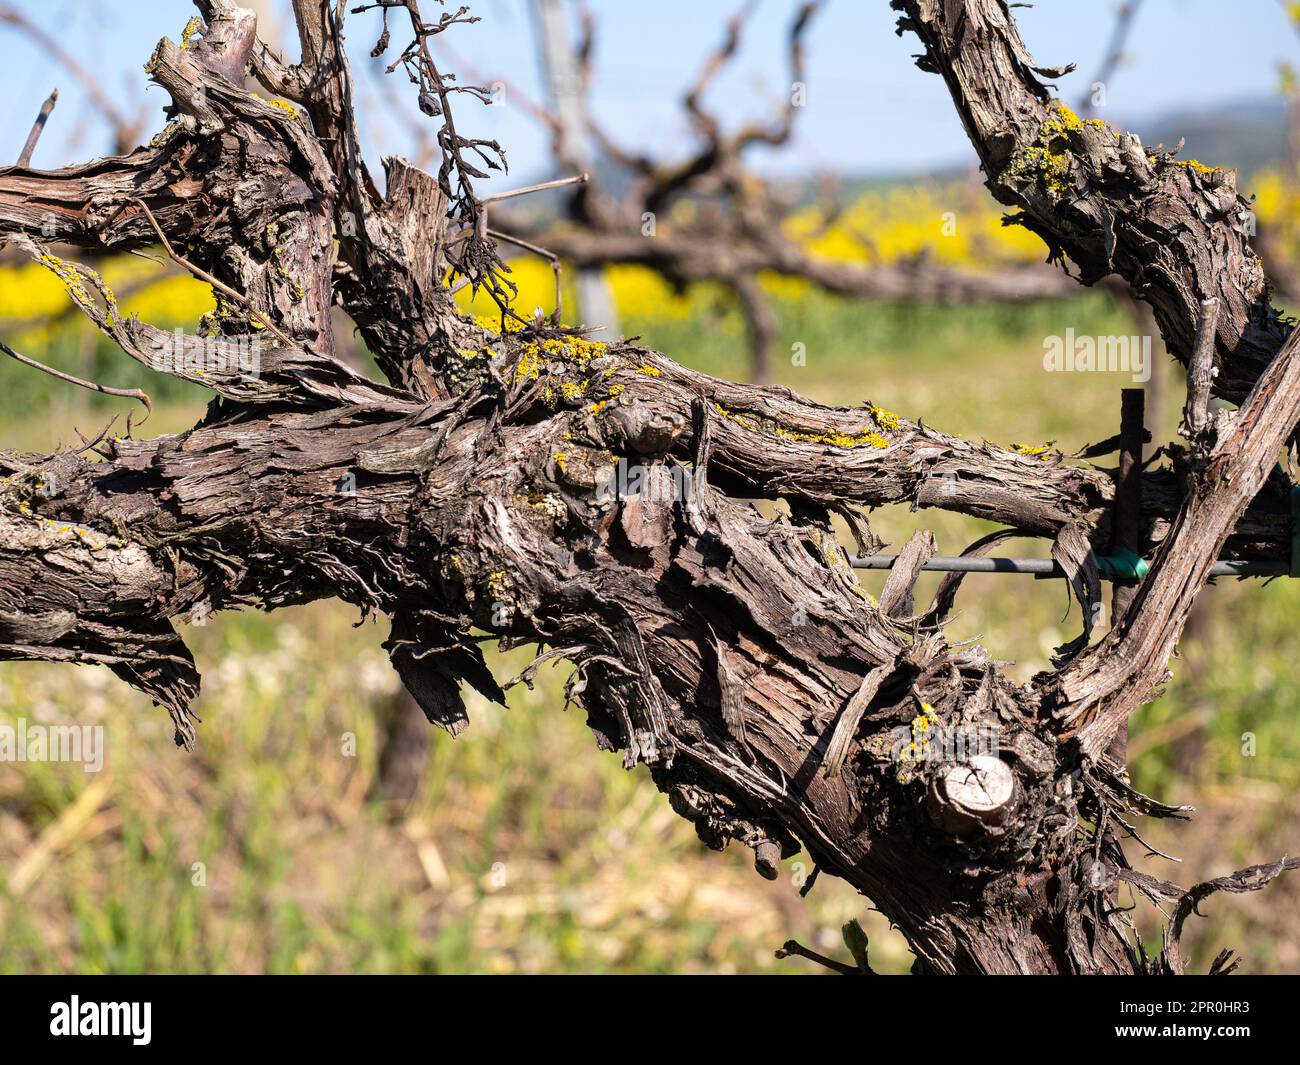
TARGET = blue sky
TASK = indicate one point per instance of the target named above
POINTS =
(869, 109)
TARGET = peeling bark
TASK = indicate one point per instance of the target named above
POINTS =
(594, 499)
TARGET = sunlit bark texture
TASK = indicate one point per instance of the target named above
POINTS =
(524, 482)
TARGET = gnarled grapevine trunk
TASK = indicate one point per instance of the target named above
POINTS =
(595, 499)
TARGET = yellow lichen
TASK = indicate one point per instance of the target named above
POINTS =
(865, 436)
(1198, 166)
(1041, 451)
(499, 584)
(1066, 121)
(191, 32)
(74, 280)
(886, 419)
(493, 326)
(547, 504)
(1047, 160)
(534, 356)
(529, 367)
(614, 392)
(279, 105)
(919, 746)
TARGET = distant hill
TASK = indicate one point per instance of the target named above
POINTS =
(1245, 134)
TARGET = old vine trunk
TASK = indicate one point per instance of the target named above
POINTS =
(594, 498)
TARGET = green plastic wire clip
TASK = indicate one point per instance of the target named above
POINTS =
(1125, 565)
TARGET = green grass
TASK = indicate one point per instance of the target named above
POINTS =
(527, 850)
